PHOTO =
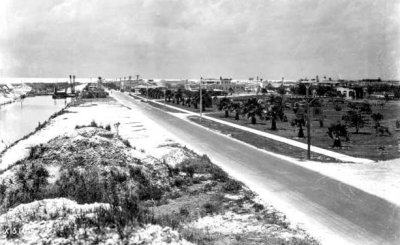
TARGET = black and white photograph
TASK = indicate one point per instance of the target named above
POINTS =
(221, 122)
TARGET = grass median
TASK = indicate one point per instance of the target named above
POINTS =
(261, 142)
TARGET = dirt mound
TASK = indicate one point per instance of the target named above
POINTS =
(94, 188)
(89, 165)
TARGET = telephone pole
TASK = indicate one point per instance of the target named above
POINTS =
(201, 98)
(308, 123)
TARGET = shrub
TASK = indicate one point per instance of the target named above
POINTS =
(64, 230)
(36, 151)
(189, 170)
(184, 211)
(210, 208)
(31, 180)
(258, 207)
(126, 143)
(218, 174)
(179, 181)
(207, 187)
(232, 186)
(274, 218)
(150, 192)
(137, 174)
(108, 127)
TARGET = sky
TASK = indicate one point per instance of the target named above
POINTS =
(193, 38)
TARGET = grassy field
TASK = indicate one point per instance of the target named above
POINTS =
(365, 144)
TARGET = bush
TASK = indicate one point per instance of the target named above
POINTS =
(36, 151)
(258, 207)
(64, 230)
(189, 170)
(210, 208)
(274, 218)
(126, 143)
(108, 127)
(207, 187)
(218, 174)
(150, 192)
(232, 186)
(179, 181)
(137, 174)
(184, 211)
(31, 183)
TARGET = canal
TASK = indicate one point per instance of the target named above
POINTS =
(22, 117)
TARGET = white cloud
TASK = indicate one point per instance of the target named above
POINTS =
(187, 38)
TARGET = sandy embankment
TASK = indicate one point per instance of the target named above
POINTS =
(150, 144)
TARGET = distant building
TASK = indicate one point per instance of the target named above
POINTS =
(329, 83)
(129, 84)
(348, 93)
(223, 84)
(278, 83)
(174, 83)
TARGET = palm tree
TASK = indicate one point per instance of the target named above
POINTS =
(187, 95)
(335, 131)
(236, 107)
(225, 104)
(299, 122)
(206, 100)
(168, 95)
(275, 110)
(251, 109)
(178, 96)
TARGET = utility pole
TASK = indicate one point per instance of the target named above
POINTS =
(201, 99)
(308, 122)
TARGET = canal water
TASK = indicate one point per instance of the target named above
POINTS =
(22, 117)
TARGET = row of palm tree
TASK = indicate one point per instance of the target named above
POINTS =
(270, 108)
(181, 96)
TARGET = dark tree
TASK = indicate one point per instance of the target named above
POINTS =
(300, 123)
(225, 105)
(354, 119)
(251, 109)
(335, 132)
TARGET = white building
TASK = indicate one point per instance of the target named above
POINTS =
(348, 93)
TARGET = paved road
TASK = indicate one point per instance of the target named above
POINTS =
(335, 208)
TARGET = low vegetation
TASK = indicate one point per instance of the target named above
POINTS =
(94, 165)
(286, 115)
